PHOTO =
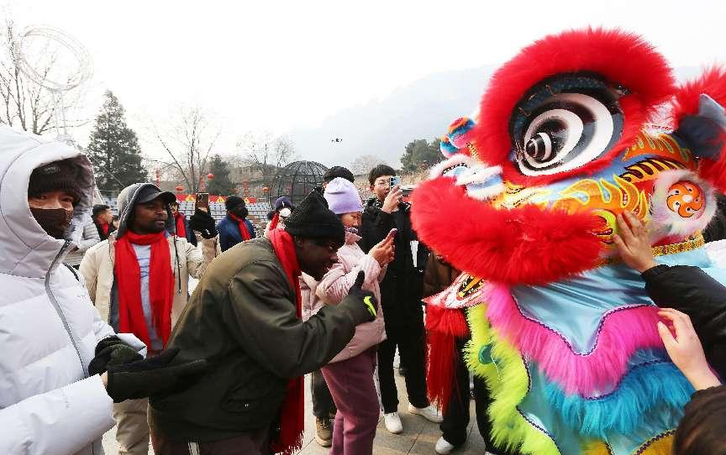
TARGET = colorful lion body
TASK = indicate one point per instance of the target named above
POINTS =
(526, 206)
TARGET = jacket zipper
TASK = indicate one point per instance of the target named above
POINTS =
(58, 309)
(63, 319)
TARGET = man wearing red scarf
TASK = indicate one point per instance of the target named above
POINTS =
(245, 320)
(138, 279)
(235, 227)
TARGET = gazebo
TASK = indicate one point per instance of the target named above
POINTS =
(296, 180)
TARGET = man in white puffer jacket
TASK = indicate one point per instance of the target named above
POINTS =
(49, 330)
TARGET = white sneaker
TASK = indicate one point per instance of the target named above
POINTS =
(429, 413)
(443, 447)
(393, 423)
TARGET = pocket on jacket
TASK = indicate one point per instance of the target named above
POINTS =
(244, 399)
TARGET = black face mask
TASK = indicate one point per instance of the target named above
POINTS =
(240, 212)
(53, 221)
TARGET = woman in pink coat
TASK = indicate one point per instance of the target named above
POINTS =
(350, 374)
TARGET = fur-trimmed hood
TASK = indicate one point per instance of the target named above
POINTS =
(27, 250)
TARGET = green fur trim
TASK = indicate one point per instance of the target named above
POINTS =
(508, 381)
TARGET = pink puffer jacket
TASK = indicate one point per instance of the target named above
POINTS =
(334, 286)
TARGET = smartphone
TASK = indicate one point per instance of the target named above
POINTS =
(406, 191)
(391, 234)
(395, 181)
(202, 202)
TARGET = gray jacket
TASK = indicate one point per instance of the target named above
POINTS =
(89, 238)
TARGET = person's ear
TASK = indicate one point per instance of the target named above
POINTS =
(299, 241)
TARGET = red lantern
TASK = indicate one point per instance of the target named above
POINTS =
(266, 190)
(210, 176)
(179, 188)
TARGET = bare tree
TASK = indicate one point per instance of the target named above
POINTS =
(266, 153)
(23, 102)
(189, 144)
(364, 164)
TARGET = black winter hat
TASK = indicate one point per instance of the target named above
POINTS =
(56, 176)
(232, 202)
(312, 219)
(338, 171)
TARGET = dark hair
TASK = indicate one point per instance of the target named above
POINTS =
(702, 428)
(381, 169)
(98, 209)
(174, 202)
(338, 171)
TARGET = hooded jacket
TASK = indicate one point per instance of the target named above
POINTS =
(334, 287)
(48, 327)
(97, 266)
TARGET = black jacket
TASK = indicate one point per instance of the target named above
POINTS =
(402, 286)
(716, 229)
(242, 319)
(690, 290)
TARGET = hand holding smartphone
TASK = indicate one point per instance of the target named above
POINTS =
(202, 202)
(391, 234)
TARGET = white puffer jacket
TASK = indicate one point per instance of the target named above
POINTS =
(48, 326)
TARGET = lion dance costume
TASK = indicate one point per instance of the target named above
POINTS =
(526, 206)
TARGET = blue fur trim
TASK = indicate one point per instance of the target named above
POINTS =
(465, 128)
(447, 148)
(622, 411)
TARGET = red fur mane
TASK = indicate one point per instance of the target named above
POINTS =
(712, 83)
(526, 245)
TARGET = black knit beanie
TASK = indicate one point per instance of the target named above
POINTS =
(56, 176)
(312, 219)
(232, 202)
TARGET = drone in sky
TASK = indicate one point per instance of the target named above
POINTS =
(337, 139)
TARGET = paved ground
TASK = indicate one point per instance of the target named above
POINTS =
(419, 435)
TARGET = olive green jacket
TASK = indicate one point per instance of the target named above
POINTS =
(242, 319)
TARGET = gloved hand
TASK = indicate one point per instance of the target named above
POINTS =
(149, 376)
(112, 351)
(363, 303)
(203, 223)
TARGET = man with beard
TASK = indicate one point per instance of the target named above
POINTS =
(139, 278)
(235, 227)
(245, 320)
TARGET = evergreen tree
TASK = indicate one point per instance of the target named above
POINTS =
(114, 148)
(420, 154)
(221, 183)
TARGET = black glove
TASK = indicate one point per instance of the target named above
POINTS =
(363, 303)
(112, 351)
(150, 376)
(203, 223)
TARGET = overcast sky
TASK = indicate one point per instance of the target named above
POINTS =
(281, 65)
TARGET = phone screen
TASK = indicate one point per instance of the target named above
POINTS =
(202, 201)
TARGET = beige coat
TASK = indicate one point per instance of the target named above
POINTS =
(98, 265)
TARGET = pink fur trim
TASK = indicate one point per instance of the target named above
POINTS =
(621, 332)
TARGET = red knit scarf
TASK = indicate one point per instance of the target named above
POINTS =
(242, 227)
(292, 413)
(181, 230)
(275, 221)
(161, 285)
